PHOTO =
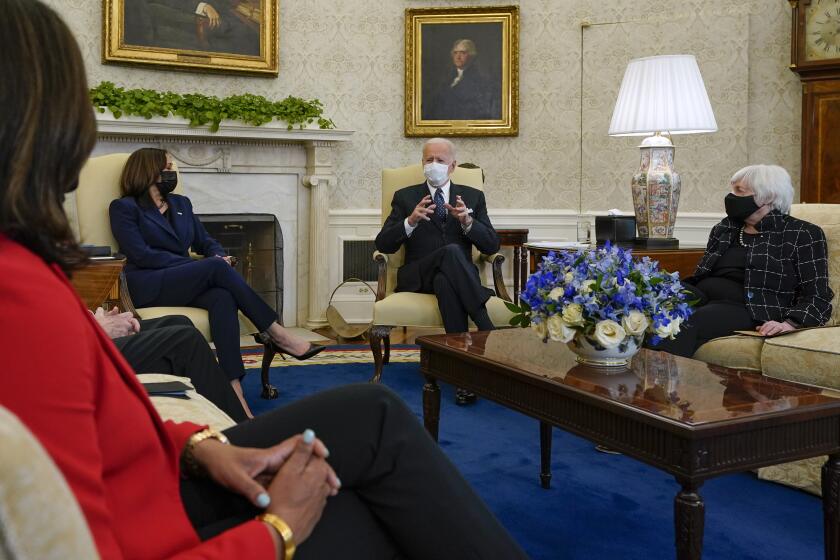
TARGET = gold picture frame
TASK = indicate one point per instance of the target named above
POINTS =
(227, 36)
(462, 71)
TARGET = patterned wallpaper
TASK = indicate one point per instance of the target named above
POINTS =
(349, 53)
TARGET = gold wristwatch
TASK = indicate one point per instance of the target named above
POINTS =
(283, 530)
(188, 459)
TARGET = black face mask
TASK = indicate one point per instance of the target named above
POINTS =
(740, 207)
(168, 181)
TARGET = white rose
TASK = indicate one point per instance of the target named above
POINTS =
(663, 330)
(675, 326)
(609, 333)
(558, 330)
(635, 323)
(556, 293)
(569, 278)
(573, 314)
(540, 328)
(586, 286)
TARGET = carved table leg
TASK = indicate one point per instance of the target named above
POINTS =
(431, 406)
(545, 455)
(831, 506)
(689, 512)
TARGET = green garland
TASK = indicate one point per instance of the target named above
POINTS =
(202, 109)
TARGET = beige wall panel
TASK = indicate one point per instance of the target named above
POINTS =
(349, 54)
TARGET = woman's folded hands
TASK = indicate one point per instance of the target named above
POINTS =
(291, 479)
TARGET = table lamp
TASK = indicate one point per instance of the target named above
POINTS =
(660, 96)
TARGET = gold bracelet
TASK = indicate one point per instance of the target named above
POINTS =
(283, 530)
(188, 459)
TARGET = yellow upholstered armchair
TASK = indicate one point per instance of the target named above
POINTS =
(408, 309)
(99, 184)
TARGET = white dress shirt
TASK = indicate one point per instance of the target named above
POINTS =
(409, 229)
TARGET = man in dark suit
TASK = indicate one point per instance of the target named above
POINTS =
(439, 222)
(172, 345)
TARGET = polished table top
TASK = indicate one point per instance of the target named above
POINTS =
(680, 390)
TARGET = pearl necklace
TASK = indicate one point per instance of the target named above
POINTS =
(741, 236)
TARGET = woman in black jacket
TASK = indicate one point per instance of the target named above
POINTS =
(762, 269)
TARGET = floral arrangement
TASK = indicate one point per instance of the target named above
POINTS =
(603, 295)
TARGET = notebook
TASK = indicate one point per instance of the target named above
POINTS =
(175, 389)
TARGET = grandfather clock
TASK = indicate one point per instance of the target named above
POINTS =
(815, 56)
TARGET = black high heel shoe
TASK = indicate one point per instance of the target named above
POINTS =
(267, 341)
(270, 348)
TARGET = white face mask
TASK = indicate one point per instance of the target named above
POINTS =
(436, 173)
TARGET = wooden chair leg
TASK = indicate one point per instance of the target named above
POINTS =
(376, 335)
(269, 391)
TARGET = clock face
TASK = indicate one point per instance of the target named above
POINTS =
(822, 30)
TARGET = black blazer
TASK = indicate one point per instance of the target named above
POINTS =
(431, 235)
(786, 275)
(151, 243)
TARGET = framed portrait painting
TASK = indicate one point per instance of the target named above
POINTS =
(231, 36)
(462, 71)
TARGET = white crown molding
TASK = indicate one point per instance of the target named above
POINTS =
(229, 131)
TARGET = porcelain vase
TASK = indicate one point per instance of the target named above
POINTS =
(590, 352)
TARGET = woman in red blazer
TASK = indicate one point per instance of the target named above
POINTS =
(152, 489)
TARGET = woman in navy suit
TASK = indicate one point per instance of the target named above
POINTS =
(155, 229)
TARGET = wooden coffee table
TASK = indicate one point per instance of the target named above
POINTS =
(688, 418)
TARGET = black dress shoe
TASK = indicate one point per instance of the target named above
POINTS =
(464, 397)
(313, 349)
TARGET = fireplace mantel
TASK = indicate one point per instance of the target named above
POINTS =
(236, 131)
(285, 172)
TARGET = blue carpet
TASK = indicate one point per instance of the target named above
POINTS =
(600, 506)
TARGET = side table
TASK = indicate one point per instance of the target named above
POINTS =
(98, 282)
(516, 238)
(683, 260)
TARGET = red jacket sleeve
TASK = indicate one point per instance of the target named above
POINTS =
(82, 403)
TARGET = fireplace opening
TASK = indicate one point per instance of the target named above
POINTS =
(256, 240)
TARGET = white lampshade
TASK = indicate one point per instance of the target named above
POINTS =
(662, 94)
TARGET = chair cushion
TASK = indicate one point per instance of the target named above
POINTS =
(198, 317)
(99, 184)
(737, 351)
(820, 214)
(39, 516)
(810, 356)
(407, 309)
(196, 409)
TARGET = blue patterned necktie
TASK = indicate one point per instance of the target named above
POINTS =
(440, 209)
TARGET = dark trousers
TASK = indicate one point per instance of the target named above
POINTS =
(448, 273)
(173, 345)
(214, 285)
(713, 320)
(401, 497)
